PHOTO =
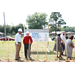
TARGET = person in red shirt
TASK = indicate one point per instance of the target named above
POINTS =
(27, 41)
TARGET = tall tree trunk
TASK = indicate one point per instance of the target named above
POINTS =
(55, 28)
(44, 26)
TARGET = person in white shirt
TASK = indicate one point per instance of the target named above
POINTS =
(63, 41)
(18, 40)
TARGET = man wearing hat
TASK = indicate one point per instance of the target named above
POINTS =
(27, 41)
(63, 41)
(18, 43)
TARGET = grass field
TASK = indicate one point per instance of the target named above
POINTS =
(41, 51)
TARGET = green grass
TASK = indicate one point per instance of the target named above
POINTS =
(41, 51)
(51, 36)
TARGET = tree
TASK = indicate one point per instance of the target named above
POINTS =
(37, 21)
(19, 26)
(53, 29)
(2, 28)
(7, 29)
(56, 20)
(12, 29)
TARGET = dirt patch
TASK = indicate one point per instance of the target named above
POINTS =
(34, 61)
(7, 61)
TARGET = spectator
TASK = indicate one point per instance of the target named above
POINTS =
(27, 41)
(63, 41)
(69, 46)
(18, 43)
(59, 47)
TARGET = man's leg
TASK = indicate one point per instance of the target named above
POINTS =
(29, 50)
(17, 52)
(62, 48)
(25, 50)
(19, 49)
(65, 50)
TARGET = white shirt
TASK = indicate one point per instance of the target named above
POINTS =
(18, 38)
(63, 38)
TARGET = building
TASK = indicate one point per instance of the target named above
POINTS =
(1, 34)
(68, 33)
(53, 33)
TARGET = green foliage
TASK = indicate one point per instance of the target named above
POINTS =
(69, 29)
(12, 29)
(53, 29)
(37, 21)
(65, 28)
(1, 28)
(56, 20)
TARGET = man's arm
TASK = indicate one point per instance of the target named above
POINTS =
(16, 39)
(31, 40)
(63, 42)
(71, 45)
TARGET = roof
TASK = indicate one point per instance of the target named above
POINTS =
(56, 32)
(59, 32)
(70, 32)
(1, 33)
(37, 30)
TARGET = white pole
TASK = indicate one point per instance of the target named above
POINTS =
(46, 49)
(8, 49)
(22, 44)
(4, 25)
(37, 49)
(56, 48)
(29, 50)
(48, 42)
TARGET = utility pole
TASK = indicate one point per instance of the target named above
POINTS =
(4, 25)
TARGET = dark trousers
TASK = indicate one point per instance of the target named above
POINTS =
(27, 48)
(63, 47)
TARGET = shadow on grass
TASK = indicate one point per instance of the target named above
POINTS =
(3, 42)
(20, 60)
(43, 53)
(61, 59)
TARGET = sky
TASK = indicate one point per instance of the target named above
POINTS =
(14, 18)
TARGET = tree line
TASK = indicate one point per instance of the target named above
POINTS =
(12, 29)
(40, 21)
(64, 28)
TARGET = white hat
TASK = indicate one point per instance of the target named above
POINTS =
(19, 29)
(27, 32)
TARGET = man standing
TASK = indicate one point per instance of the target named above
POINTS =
(18, 43)
(27, 41)
(63, 41)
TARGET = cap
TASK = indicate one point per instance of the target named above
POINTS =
(27, 32)
(20, 30)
